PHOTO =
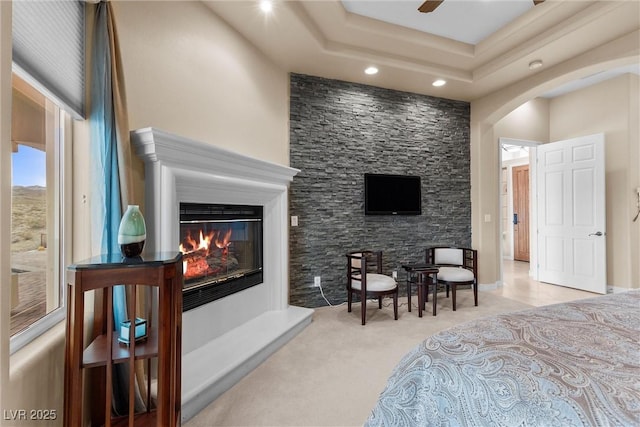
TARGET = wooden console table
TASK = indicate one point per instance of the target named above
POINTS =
(162, 272)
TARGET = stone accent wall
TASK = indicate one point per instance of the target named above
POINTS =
(338, 132)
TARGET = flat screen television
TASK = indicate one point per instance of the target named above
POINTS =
(392, 194)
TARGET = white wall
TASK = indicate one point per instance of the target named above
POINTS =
(530, 121)
(188, 73)
(610, 107)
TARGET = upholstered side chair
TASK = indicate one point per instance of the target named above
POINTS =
(365, 278)
(457, 266)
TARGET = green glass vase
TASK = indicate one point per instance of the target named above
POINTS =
(132, 232)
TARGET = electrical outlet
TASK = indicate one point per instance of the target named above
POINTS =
(394, 274)
(316, 281)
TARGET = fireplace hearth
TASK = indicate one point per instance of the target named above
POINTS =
(222, 250)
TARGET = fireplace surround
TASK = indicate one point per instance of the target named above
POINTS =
(226, 338)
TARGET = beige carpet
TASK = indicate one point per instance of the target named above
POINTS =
(332, 372)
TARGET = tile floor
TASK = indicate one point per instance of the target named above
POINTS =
(520, 287)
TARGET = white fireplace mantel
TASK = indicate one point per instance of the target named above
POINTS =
(154, 145)
(225, 339)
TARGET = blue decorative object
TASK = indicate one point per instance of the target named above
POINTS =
(140, 331)
(132, 232)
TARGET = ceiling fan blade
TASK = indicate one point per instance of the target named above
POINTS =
(429, 6)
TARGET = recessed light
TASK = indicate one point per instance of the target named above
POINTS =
(371, 70)
(535, 64)
(439, 83)
(266, 6)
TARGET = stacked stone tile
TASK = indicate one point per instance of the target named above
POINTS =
(338, 132)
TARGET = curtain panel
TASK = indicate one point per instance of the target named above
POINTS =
(111, 180)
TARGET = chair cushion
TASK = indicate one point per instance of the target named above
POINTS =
(455, 274)
(376, 283)
(448, 256)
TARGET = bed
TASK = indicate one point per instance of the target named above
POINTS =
(569, 364)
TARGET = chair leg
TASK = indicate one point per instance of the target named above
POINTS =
(363, 306)
(349, 299)
(434, 281)
(475, 292)
(453, 296)
(395, 306)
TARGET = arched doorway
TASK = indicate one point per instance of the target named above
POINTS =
(487, 111)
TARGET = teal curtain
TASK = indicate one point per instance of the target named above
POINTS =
(106, 199)
(110, 153)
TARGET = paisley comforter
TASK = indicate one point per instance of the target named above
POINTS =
(570, 364)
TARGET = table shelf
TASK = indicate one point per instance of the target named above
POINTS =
(96, 353)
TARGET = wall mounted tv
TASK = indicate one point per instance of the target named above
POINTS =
(392, 194)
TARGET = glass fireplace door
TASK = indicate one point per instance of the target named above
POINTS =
(222, 249)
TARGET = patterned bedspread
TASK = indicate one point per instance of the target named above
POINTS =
(570, 364)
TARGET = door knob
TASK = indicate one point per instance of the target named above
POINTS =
(597, 233)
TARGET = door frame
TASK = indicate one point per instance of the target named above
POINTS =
(533, 205)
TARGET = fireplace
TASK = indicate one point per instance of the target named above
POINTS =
(222, 250)
(227, 337)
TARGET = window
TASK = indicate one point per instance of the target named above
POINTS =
(39, 131)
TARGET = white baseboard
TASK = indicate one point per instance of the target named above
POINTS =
(616, 289)
(490, 286)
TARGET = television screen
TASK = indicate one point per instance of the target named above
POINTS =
(392, 194)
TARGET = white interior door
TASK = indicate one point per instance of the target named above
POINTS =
(571, 213)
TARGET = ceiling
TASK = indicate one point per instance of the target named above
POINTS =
(477, 46)
(465, 21)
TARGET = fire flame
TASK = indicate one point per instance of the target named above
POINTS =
(224, 242)
(196, 266)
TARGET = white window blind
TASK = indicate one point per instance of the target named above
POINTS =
(49, 46)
